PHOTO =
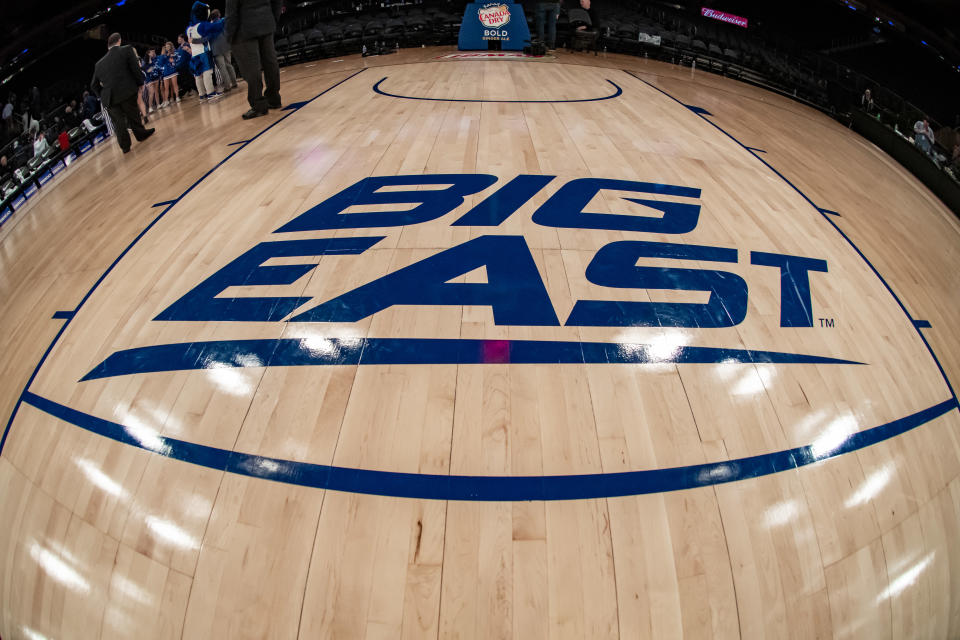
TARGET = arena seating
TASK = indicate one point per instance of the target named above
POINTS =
(324, 28)
(317, 31)
(39, 170)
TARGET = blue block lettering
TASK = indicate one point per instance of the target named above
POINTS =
(431, 203)
(514, 288)
(201, 303)
(615, 265)
(504, 202)
(565, 207)
(796, 309)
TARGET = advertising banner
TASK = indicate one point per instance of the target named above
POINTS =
(707, 12)
(502, 22)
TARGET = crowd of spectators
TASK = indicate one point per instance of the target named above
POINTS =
(942, 148)
(36, 127)
(36, 121)
(33, 123)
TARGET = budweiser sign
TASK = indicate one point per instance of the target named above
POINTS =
(706, 12)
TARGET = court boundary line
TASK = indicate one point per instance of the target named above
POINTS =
(789, 100)
(139, 236)
(613, 67)
(825, 214)
(616, 94)
(486, 488)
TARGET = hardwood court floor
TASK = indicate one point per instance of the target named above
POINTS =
(442, 470)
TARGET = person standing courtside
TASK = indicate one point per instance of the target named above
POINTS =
(547, 15)
(221, 56)
(250, 27)
(117, 79)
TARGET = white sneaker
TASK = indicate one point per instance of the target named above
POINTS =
(178, 99)
(150, 110)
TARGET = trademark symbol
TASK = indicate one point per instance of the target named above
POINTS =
(827, 323)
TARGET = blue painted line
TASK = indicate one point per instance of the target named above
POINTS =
(172, 203)
(293, 106)
(485, 488)
(922, 324)
(756, 150)
(164, 203)
(830, 213)
(832, 223)
(700, 111)
(233, 144)
(293, 352)
(63, 315)
(615, 94)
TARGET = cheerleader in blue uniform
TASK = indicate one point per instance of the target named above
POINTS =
(151, 78)
(199, 34)
(140, 94)
(169, 60)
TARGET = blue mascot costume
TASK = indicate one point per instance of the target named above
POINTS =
(199, 34)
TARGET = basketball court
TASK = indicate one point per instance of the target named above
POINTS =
(585, 346)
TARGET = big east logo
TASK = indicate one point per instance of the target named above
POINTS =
(514, 289)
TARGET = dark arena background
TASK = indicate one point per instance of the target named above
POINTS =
(585, 319)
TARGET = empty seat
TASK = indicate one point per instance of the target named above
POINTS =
(281, 46)
(314, 43)
(626, 38)
(393, 30)
(416, 29)
(372, 32)
(298, 43)
(579, 18)
(332, 40)
(352, 36)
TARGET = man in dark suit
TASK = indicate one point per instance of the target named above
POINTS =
(117, 79)
(250, 27)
